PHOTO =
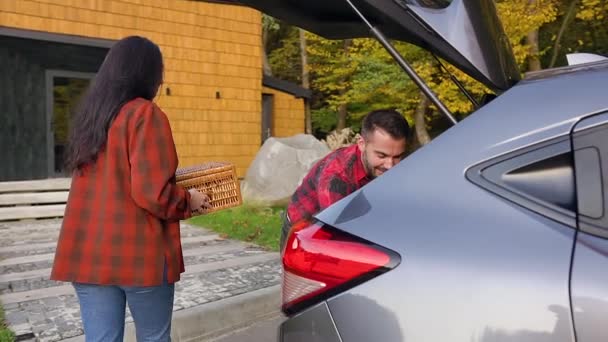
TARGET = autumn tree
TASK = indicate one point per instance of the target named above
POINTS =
(351, 77)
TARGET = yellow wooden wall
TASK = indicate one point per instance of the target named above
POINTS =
(288, 113)
(207, 48)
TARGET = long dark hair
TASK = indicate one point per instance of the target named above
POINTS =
(132, 68)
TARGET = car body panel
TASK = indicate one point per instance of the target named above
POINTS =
(527, 115)
(475, 267)
(312, 325)
(589, 284)
(590, 288)
(468, 289)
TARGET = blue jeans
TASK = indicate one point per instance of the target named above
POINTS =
(103, 311)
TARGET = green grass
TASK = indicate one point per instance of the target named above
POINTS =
(5, 334)
(259, 225)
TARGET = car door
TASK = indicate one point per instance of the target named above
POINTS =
(589, 281)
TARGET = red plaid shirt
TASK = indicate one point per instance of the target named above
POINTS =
(334, 177)
(121, 223)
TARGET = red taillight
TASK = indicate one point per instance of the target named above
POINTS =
(319, 260)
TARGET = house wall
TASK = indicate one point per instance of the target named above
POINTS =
(212, 55)
(288, 113)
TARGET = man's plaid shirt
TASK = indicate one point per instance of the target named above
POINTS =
(332, 178)
(121, 223)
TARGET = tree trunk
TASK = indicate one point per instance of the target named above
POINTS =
(532, 41)
(533, 60)
(305, 81)
(421, 132)
(342, 112)
(569, 13)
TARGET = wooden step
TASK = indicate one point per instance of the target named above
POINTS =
(33, 198)
(32, 212)
(54, 184)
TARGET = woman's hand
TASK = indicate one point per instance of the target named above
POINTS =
(199, 202)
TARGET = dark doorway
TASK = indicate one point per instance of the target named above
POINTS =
(32, 70)
(267, 116)
(64, 90)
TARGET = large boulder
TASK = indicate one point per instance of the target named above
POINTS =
(279, 168)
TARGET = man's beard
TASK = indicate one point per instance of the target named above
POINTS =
(369, 170)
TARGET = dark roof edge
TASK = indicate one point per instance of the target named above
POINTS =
(225, 2)
(286, 86)
(55, 37)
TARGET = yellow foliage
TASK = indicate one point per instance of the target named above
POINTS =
(340, 72)
(520, 17)
(592, 10)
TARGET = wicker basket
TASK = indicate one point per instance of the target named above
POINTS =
(218, 180)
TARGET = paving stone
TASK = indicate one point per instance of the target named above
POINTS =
(57, 318)
(16, 318)
(11, 306)
(71, 331)
(30, 266)
(15, 254)
(23, 329)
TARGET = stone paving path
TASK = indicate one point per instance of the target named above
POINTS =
(38, 309)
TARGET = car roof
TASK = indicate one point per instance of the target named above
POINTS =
(546, 73)
(543, 106)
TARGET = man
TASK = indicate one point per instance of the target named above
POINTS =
(381, 146)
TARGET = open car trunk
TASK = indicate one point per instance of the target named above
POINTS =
(467, 33)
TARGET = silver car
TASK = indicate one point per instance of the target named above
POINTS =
(495, 231)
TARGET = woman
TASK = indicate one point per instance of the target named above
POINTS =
(120, 238)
